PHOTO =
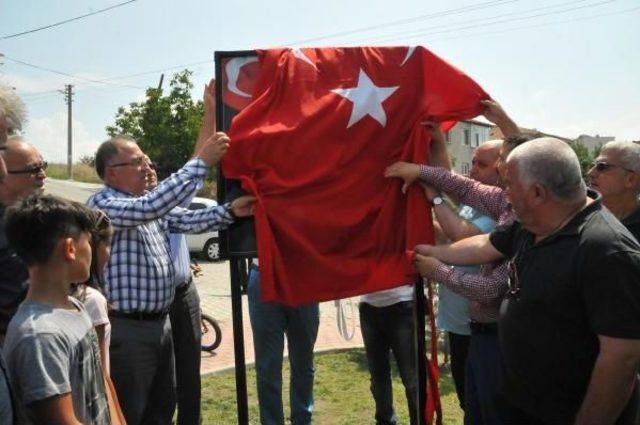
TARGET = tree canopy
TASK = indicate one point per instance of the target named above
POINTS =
(165, 126)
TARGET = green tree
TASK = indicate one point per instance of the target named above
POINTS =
(165, 126)
(585, 157)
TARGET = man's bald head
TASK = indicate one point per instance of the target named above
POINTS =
(484, 165)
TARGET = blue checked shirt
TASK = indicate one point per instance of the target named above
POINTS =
(140, 273)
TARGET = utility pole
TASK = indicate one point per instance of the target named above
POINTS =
(68, 96)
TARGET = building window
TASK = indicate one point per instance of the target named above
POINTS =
(467, 140)
(465, 168)
(477, 136)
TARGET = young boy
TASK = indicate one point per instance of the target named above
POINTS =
(51, 348)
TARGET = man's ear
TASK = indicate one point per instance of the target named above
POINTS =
(632, 181)
(539, 193)
(68, 249)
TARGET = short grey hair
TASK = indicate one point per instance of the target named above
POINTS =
(551, 163)
(629, 154)
(12, 108)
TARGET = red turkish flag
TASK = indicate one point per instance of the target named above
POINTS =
(312, 146)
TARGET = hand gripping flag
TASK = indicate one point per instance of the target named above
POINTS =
(312, 143)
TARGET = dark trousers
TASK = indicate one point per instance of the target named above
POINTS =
(187, 335)
(142, 369)
(483, 402)
(459, 350)
(385, 330)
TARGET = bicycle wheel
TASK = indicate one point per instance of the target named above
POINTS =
(211, 333)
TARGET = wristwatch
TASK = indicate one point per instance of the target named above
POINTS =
(437, 200)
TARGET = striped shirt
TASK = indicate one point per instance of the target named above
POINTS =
(140, 272)
(486, 288)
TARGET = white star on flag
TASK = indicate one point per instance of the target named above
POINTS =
(298, 53)
(367, 99)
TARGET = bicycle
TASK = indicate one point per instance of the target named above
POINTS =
(211, 331)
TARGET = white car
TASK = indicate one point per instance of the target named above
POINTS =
(205, 244)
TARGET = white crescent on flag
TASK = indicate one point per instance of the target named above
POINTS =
(233, 71)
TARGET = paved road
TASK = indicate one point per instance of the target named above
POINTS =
(215, 293)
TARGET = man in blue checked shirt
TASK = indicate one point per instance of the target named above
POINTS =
(140, 273)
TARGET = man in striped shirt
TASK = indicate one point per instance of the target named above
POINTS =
(140, 273)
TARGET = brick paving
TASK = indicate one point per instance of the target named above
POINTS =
(215, 299)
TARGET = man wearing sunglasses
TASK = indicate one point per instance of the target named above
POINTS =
(25, 175)
(616, 176)
(569, 328)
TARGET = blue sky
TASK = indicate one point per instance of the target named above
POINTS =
(567, 67)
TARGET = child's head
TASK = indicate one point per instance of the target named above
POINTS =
(45, 229)
(101, 247)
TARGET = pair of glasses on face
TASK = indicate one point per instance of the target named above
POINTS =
(139, 161)
(603, 166)
(34, 170)
(513, 281)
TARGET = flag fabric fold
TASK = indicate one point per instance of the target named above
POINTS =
(312, 145)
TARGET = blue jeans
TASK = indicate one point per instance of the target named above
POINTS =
(386, 329)
(270, 322)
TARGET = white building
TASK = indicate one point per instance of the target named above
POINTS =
(462, 140)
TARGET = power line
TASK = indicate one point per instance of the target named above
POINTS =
(407, 21)
(66, 74)
(457, 25)
(5, 37)
(427, 33)
(544, 24)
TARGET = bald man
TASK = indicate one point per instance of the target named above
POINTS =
(25, 175)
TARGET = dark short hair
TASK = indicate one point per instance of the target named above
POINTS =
(513, 142)
(108, 150)
(35, 224)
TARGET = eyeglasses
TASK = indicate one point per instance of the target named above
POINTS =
(513, 281)
(135, 162)
(34, 170)
(602, 167)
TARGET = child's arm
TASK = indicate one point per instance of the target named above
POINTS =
(56, 410)
(115, 412)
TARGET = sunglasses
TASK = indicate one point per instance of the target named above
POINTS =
(602, 166)
(34, 170)
(513, 281)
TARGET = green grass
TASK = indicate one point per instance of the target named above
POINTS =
(341, 393)
(81, 173)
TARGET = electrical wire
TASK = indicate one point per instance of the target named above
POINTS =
(5, 37)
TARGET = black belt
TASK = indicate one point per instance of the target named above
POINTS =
(139, 315)
(184, 285)
(484, 328)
